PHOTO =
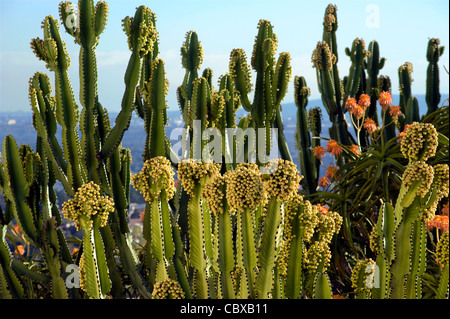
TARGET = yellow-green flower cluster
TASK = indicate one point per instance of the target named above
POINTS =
(191, 173)
(214, 193)
(329, 224)
(418, 172)
(442, 254)
(244, 187)
(375, 241)
(322, 58)
(167, 289)
(441, 180)
(282, 180)
(363, 275)
(318, 253)
(156, 175)
(419, 142)
(307, 215)
(88, 206)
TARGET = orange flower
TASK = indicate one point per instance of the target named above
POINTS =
(358, 111)
(322, 209)
(319, 152)
(75, 250)
(395, 111)
(324, 182)
(439, 222)
(385, 100)
(370, 125)
(364, 100)
(331, 171)
(19, 251)
(334, 148)
(354, 149)
(16, 228)
(350, 104)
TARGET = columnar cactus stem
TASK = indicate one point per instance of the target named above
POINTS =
(194, 176)
(271, 82)
(282, 183)
(67, 115)
(307, 161)
(156, 184)
(141, 34)
(244, 193)
(433, 97)
(405, 80)
(373, 65)
(90, 211)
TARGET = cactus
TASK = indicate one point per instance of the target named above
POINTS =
(408, 103)
(193, 177)
(229, 229)
(399, 236)
(309, 165)
(271, 84)
(90, 211)
(96, 157)
(373, 64)
(30, 180)
(331, 87)
(433, 97)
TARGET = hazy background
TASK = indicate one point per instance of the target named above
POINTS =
(402, 29)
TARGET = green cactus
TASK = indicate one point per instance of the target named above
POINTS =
(331, 87)
(90, 211)
(141, 33)
(407, 104)
(399, 236)
(373, 64)
(96, 157)
(433, 97)
(309, 165)
(193, 177)
(271, 84)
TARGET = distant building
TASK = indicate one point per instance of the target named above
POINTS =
(12, 122)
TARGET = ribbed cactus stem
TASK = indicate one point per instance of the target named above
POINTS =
(373, 66)
(305, 155)
(433, 96)
(141, 34)
(197, 245)
(246, 229)
(156, 98)
(266, 258)
(19, 189)
(192, 58)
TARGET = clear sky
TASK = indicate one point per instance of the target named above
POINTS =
(402, 29)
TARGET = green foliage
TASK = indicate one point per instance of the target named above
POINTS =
(228, 229)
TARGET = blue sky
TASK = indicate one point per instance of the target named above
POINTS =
(402, 29)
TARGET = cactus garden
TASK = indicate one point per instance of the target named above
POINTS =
(228, 214)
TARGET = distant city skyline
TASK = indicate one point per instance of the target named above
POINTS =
(402, 29)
